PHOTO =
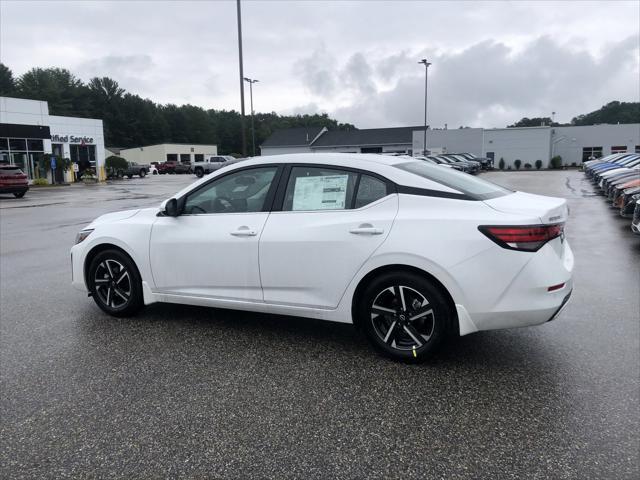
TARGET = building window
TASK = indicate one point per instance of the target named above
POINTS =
(199, 157)
(619, 149)
(17, 144)
(172, 157)
(35, 145)
(4, 144)
(591, 152)
(185, 158)
(637, 148)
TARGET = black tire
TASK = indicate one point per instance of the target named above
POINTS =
(155, 172)
(115, 284)
(129, 176)
(120, 174)
(19, 194)
(143, 173)
(411, 334)
(199, 172)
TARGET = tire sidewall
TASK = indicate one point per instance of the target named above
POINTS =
(432, 294)
(136, 302)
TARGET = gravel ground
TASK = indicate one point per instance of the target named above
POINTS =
(193, 392)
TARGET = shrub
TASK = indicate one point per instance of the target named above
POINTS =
(556, 162)
(527, 166)
(115, 163)
(40, 181)
(518, 163)
(501, 164)
(509, 167)
(538, 164)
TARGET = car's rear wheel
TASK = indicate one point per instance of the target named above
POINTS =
(19, 194)
(143, 173)
(404, 316)
(115, 283)
(199, 172)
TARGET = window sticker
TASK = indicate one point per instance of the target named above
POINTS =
(327, 192)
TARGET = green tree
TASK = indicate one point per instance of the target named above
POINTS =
(534, 122)
(7, 83)
(517, 163)
(65, 94)
(612, 112)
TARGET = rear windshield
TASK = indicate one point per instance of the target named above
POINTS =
(10, 170)
(474, 187)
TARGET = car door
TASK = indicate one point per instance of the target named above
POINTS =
(211, 248)
(330, 222)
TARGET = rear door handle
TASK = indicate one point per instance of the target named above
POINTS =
(366, 229)
(244, 231)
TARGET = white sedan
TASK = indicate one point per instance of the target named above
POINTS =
(406, 250)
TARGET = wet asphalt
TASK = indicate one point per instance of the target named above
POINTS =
(203, 393)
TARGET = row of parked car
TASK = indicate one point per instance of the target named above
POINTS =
(617, 177)
(465, 162)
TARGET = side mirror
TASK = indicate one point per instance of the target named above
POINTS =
(171, 208)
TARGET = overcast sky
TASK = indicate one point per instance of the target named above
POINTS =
(493, 63)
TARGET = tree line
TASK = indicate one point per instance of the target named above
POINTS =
(130, 120)
(612, 113)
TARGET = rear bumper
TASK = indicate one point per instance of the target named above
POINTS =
(526, 300)
(13, 188)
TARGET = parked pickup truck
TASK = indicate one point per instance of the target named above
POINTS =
(136, 169)
(210, 164)
(173, 166)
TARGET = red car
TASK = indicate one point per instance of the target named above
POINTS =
(13, 180)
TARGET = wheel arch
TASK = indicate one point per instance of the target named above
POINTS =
(402, 268)
(101, 247)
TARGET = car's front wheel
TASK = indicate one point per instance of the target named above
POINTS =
(404, 316)
(115, 283)
(143, 173)
(199, 172)
(19, 194)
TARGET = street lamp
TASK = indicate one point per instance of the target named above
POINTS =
(426, 75)
(253, 128)
(242, 131)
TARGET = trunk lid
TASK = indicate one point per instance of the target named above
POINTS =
(547, 209)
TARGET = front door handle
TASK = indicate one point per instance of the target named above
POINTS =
(367, 229)
(244, 231)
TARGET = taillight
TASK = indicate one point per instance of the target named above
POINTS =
(527, 238)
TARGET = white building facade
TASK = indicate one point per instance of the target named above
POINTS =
(530, 144)
(28, 133)
(179, 152)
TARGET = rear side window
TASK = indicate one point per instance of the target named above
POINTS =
(370, 189)
(469, 185)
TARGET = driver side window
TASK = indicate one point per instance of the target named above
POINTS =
(239, 192)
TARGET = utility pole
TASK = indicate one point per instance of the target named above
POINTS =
(242, 130)
(253, 128)
(426, 76)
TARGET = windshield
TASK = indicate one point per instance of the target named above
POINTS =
(472, 186)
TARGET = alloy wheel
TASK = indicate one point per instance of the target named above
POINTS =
(113, 285)
(402, 318)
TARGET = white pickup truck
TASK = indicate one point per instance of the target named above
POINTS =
(210, 164)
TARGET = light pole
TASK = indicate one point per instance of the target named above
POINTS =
(426, 76)
(242, 132)
(253, 128)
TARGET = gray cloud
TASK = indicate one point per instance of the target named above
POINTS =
(492, 62)
(489, 84)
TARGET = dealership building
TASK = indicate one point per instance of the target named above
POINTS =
(527, 144)
(28, 132)
(179, 152)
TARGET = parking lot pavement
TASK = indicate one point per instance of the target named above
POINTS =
(194, 392)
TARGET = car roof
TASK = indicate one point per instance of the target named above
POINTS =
(372, 162)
